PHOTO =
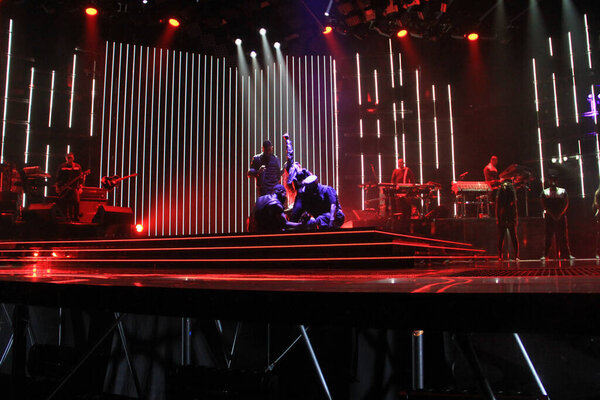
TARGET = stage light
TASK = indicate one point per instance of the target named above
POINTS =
(238, 42)
(402, 33)
(54, 254)
(277, 45)
(91, 11)
(253, 54)
(36, 254)
(473, 36)
(174, 22)
(327, 30)
(139, 228)
(262, 31)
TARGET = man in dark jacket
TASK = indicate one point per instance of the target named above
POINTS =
(266, 169)
(321, 202)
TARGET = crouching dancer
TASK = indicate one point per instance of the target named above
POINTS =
(321, 202)
(267, 214)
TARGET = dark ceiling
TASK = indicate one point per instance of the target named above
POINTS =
(211, 26)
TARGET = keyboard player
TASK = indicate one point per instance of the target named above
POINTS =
(401, 206)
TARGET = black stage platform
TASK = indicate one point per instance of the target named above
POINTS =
(357, 277)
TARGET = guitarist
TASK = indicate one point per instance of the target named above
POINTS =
(69, 180)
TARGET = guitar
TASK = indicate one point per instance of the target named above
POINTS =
(109, 182)
(62, 190)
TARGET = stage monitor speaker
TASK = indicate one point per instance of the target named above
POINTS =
(42, 213)
(109, 215)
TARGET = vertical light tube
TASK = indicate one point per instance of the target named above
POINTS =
(186, 171)
(312, 101)
(560, 158)
(92, 108)
(573, 77)
(337, 142)
(145, 132)
(306, 112)
(197, 190)
(419, 126)
(319, 142)
(401, 79)
(376, 86)
(28, 127)
(103, 108)
(587, 41)
(403, 132)
(117, 111)
(395, 117)
(158, 124)
(204, 142)
(360, 127)
(539, 129)
(164, 164)
(380, 169)
(224, 72)
(358, 78)
(72, 90)
(435, 132)
(137, 140)
(52, 79)
(250, 149)
(598, 152)
(110, 104)
(550, 49)
(391, 63)
(580, 159)
(171, 145)
(191, 153)
(150, 152)
(178, 143)
(126, 96)
(594, 109)
(235, 153)
(46, 166)
(362, 180)
(555, 100)
(229, 157)
(129, 145)
(452, 140)
(6, 86)
(378, 129)
(210, 162)
(435, 129)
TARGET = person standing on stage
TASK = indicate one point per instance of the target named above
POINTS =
(506, 216)
(555, 203)
(596, 209)
(294, 174)
(266, 169)
(69, 180)
(268, 213)
(490, 172)
(321, 202)
(402, 174)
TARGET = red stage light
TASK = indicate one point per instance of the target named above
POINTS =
(473, 36)
(402, 33)
(91, 11)
(173, 22)
(139, 228)
(327, 30)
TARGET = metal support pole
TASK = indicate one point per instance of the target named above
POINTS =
(128, 357)
(188, 341)
(538, 381)
(314, 360)
(464, 343)
(418, 379)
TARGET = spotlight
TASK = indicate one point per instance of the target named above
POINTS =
(262, 31)
(402, 33)
(473, 36)
(139, 228)
(253, 54)
(326, 14)
(328, 29)
(144, 1)
(91, 11)
(174, 22)
(277, 45)
(238, 42)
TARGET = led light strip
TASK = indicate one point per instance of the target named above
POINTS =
(358, 78)
(46, 167)
(580, 159)
(435, 131)
(126, 97)
(178, 144)
(127, 171)
(573, 77)
(222, 204)
(539, 129)
(103, 109)
(419, 126)
(6, 86)
(362, 180)
(28, 126)
(143, 169)
(72, 91)
(337, 142)
(137, 140)
(319, 142)
(117, 119)
(550, 47)
(52, 79)
(203, 145)
(112, 81)
(555, 100)
(452, 139)
(560, 158)
(391, 63)
(587, 41)
(92, 101)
